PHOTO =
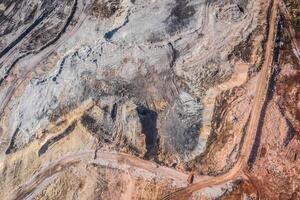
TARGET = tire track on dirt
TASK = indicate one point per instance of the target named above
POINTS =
(259, 99)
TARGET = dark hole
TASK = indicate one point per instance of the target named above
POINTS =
(174, 165)
(241, 8)
(148, 119)
(12, 145)
(113, 112)
(90, 123)
(53, 140)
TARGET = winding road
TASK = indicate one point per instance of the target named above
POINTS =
(122, 160)
(260, 96)
(112, 160)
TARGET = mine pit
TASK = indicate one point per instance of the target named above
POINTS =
(133, 99)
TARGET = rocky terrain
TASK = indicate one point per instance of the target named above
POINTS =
(136, 99)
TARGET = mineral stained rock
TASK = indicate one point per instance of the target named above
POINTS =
(149, 99)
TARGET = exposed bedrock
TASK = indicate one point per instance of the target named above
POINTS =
(168, 82)
(167, 75)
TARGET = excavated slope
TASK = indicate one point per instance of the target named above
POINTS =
(133, 99)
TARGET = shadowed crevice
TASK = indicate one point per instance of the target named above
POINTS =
(12, 146)
(269, 95)
(53, 140)
(148, 119)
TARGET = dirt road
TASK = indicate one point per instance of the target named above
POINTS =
(260, 95)
(25, 190)
(108, 159)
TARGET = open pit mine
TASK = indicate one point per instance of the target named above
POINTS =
(149, 99)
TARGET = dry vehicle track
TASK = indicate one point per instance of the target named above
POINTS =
(25, 190)
(260, 95)
(111, 160)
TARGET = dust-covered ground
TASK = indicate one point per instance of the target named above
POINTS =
(133, 99)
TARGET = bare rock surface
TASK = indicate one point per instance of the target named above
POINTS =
(131, 99)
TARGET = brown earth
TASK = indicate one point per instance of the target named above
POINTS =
(253, 139)
(275, 171)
